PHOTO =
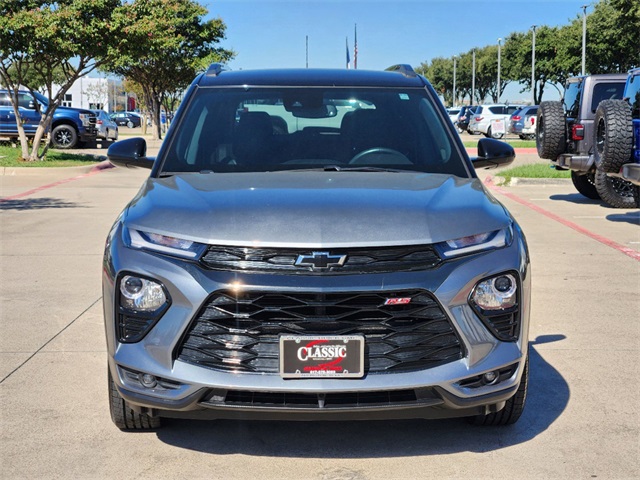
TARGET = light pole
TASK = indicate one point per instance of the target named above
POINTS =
(473, 77)
(453, 99)
(584, 37)
(533, 66)
(499, 42)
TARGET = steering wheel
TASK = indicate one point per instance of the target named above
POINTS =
(401, 158)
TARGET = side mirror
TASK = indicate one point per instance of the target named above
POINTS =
(131, 152)
(493, 153)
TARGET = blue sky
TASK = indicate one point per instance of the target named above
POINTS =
(271, 33)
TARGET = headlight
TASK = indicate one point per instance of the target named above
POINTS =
(85, 118)
(476, 243)
(141, 303)
(162, 243)
(140, 294)
(496, 301)
(498, 293)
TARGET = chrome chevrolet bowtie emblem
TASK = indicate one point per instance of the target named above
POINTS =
(320, 260)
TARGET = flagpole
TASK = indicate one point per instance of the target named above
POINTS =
(307, 45)
(355, 47)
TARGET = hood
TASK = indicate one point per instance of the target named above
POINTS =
(315, 209)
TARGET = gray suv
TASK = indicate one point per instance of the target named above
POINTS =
(565, 134)
(314, 244)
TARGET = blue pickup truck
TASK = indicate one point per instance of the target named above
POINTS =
(617, 132)
(69, 129)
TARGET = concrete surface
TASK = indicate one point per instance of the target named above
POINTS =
(581, 419)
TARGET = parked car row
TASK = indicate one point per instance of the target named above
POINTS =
(70, 127)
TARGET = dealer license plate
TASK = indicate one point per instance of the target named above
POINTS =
(333, 356)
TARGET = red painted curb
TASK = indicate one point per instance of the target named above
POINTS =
(94, 171)
(604, 240)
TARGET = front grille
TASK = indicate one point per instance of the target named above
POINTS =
(240, 332)
(358, 260)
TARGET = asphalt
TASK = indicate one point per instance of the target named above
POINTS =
(581, 419)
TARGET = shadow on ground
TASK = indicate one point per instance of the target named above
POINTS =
(628, 217)
(36, 204)
(575, 198)
(548, 397)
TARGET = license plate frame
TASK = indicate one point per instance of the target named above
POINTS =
(341, 357)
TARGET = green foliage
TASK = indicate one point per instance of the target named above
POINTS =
(10, 157)
(613, 45)
(163, 45)
(46, 42)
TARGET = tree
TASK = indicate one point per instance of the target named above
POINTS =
(518, 47)
(43, 43)
(613, 38)
(167, 43)
(440, 74)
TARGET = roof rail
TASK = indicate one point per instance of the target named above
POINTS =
(215, 69)
(404, 69)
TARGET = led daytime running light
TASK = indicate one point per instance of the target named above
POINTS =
(163, 243)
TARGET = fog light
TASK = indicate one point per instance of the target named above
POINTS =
(148, 381)
(490, 378)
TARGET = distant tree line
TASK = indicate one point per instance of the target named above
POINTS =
(157, 45)
(613, 45)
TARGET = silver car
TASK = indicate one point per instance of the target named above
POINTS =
(314, 245)
(107, 129)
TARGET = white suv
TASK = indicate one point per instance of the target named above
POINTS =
(486, 116)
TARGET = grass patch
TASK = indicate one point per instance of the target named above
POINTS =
(533, 170)
(10, 157)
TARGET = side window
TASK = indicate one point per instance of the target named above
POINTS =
(25, 101)
(606, 91)
(572, 99)
(633, 92)
(4, 100)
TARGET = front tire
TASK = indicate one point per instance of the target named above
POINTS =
(613, 135)
(614, 191)
(585, 184)
(123, 416)
(64, 137)
(513, 408)
(551, 130)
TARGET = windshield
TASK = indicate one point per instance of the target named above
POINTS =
(279, 128)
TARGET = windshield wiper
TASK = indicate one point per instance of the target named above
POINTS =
(337, 168)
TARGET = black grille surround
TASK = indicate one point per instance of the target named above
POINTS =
(239, 332)
(358, 260)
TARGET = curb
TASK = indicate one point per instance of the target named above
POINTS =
(497, 180)
(538, 181)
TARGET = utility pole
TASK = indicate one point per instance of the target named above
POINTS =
(499, 42)
(584, 38)
(473, 77)
(533, 66)
(307, 45)
(453, 98)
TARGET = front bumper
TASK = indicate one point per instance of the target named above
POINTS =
(198, 392)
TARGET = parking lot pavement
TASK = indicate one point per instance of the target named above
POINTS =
(581, 419)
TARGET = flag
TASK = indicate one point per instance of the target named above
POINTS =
(355, 48)
(348, 58)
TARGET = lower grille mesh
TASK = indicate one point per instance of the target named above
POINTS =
(240, 332)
